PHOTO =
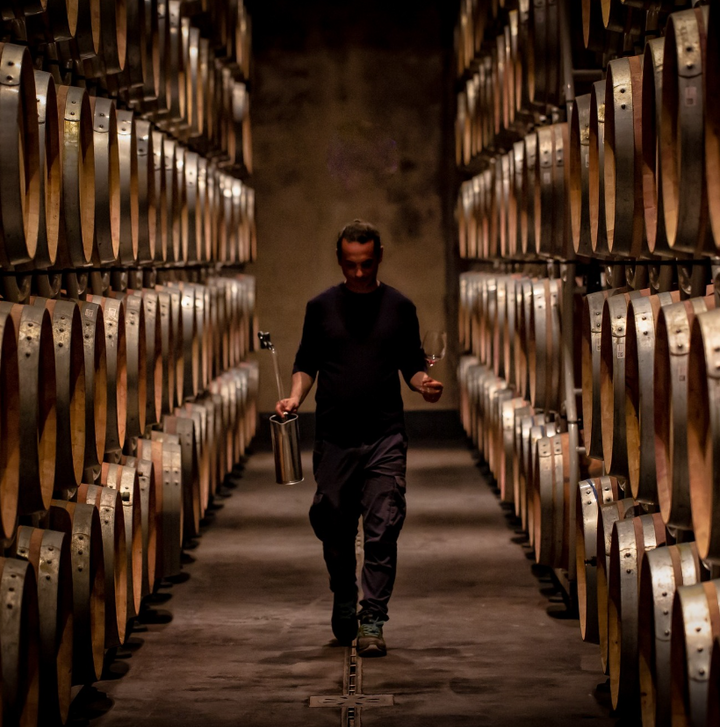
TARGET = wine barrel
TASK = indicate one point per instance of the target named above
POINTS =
(137, 62)
(548, 499)
(518, 220)
(77, 210)
(523, 307)
(117, 374)
(81, 523)
(20, 178)
(216, 423)
(128, 208)
(177, 358)
(672, 348)
(465, 217)
(579, 175)
(124, 479)
(148, 507)
(651, 148)
(198, 412)
(496, 326)
(191, 302)
(175, 59)
(114, 35)
(642, 315)
(523, 445)
(519, 413)
(608, 515)
(630, 540)
(702, 428)
(48, 552)
(173, 495)
(545, 229)
(28, 387)
(96, 393)
(623, 154)
(713, 710)
(712, 122)
(592, 494)
(12, 478)
(193, 219)
(509, 329)
(152, 452)
(612, 381)
(155, 371)
(172, 211)
(537, 433)
(220, 387)
(663, 571)
(185, 429)
(147, 197)
(162, 227)
(206, 211)
(162, 103)
(107, 181)
(112, 525)
(596, 161)
(507, 468)
(591, 347)
(682, 132)
(179, 172)
(50, 170)
(67, 328)
(695, 626)
(19, 636)
(544, 345)
(530, 185)
(167, 351)
(137, 360)
(250, 371)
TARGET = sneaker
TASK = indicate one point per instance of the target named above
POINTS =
(344, 620)
(370, 641)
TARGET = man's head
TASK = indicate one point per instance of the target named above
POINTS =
(359, 254)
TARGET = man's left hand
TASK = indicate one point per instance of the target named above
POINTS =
(431, 389)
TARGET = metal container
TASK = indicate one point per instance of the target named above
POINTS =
(286, 448)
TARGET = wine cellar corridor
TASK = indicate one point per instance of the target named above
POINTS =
(246, 639)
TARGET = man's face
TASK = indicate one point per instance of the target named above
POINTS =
(360, 265)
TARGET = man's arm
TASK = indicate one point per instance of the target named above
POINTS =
(301, 385)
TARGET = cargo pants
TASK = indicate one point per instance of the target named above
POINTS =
(367, 480)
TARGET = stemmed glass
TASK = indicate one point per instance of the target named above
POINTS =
(434, 348)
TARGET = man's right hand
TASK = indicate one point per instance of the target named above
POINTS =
(287, 406)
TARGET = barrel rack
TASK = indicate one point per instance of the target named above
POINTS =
(127, 389)
(589, 234)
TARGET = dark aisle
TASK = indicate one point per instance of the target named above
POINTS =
(474, 639)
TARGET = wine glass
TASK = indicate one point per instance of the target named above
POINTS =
(434, 347)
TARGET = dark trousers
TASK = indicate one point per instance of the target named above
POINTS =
(367, 480)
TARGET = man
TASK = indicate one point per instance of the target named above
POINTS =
(356, 337)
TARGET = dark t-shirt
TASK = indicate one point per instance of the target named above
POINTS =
(356, 343)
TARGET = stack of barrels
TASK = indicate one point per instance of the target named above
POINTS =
(126, 319)
(589, 318)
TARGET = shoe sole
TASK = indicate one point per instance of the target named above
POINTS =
(372, 651)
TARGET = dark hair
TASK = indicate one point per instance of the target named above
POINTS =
(359, 231)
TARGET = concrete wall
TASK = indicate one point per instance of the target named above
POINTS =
(350, 120)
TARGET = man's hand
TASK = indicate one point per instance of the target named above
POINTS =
(430, 389)
(287, 406)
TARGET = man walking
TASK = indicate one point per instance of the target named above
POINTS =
(356, 337)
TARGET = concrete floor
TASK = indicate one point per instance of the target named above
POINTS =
(477, 636)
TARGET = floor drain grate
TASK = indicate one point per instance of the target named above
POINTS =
(352, 701)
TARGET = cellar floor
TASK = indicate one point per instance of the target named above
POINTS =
(477, 636)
